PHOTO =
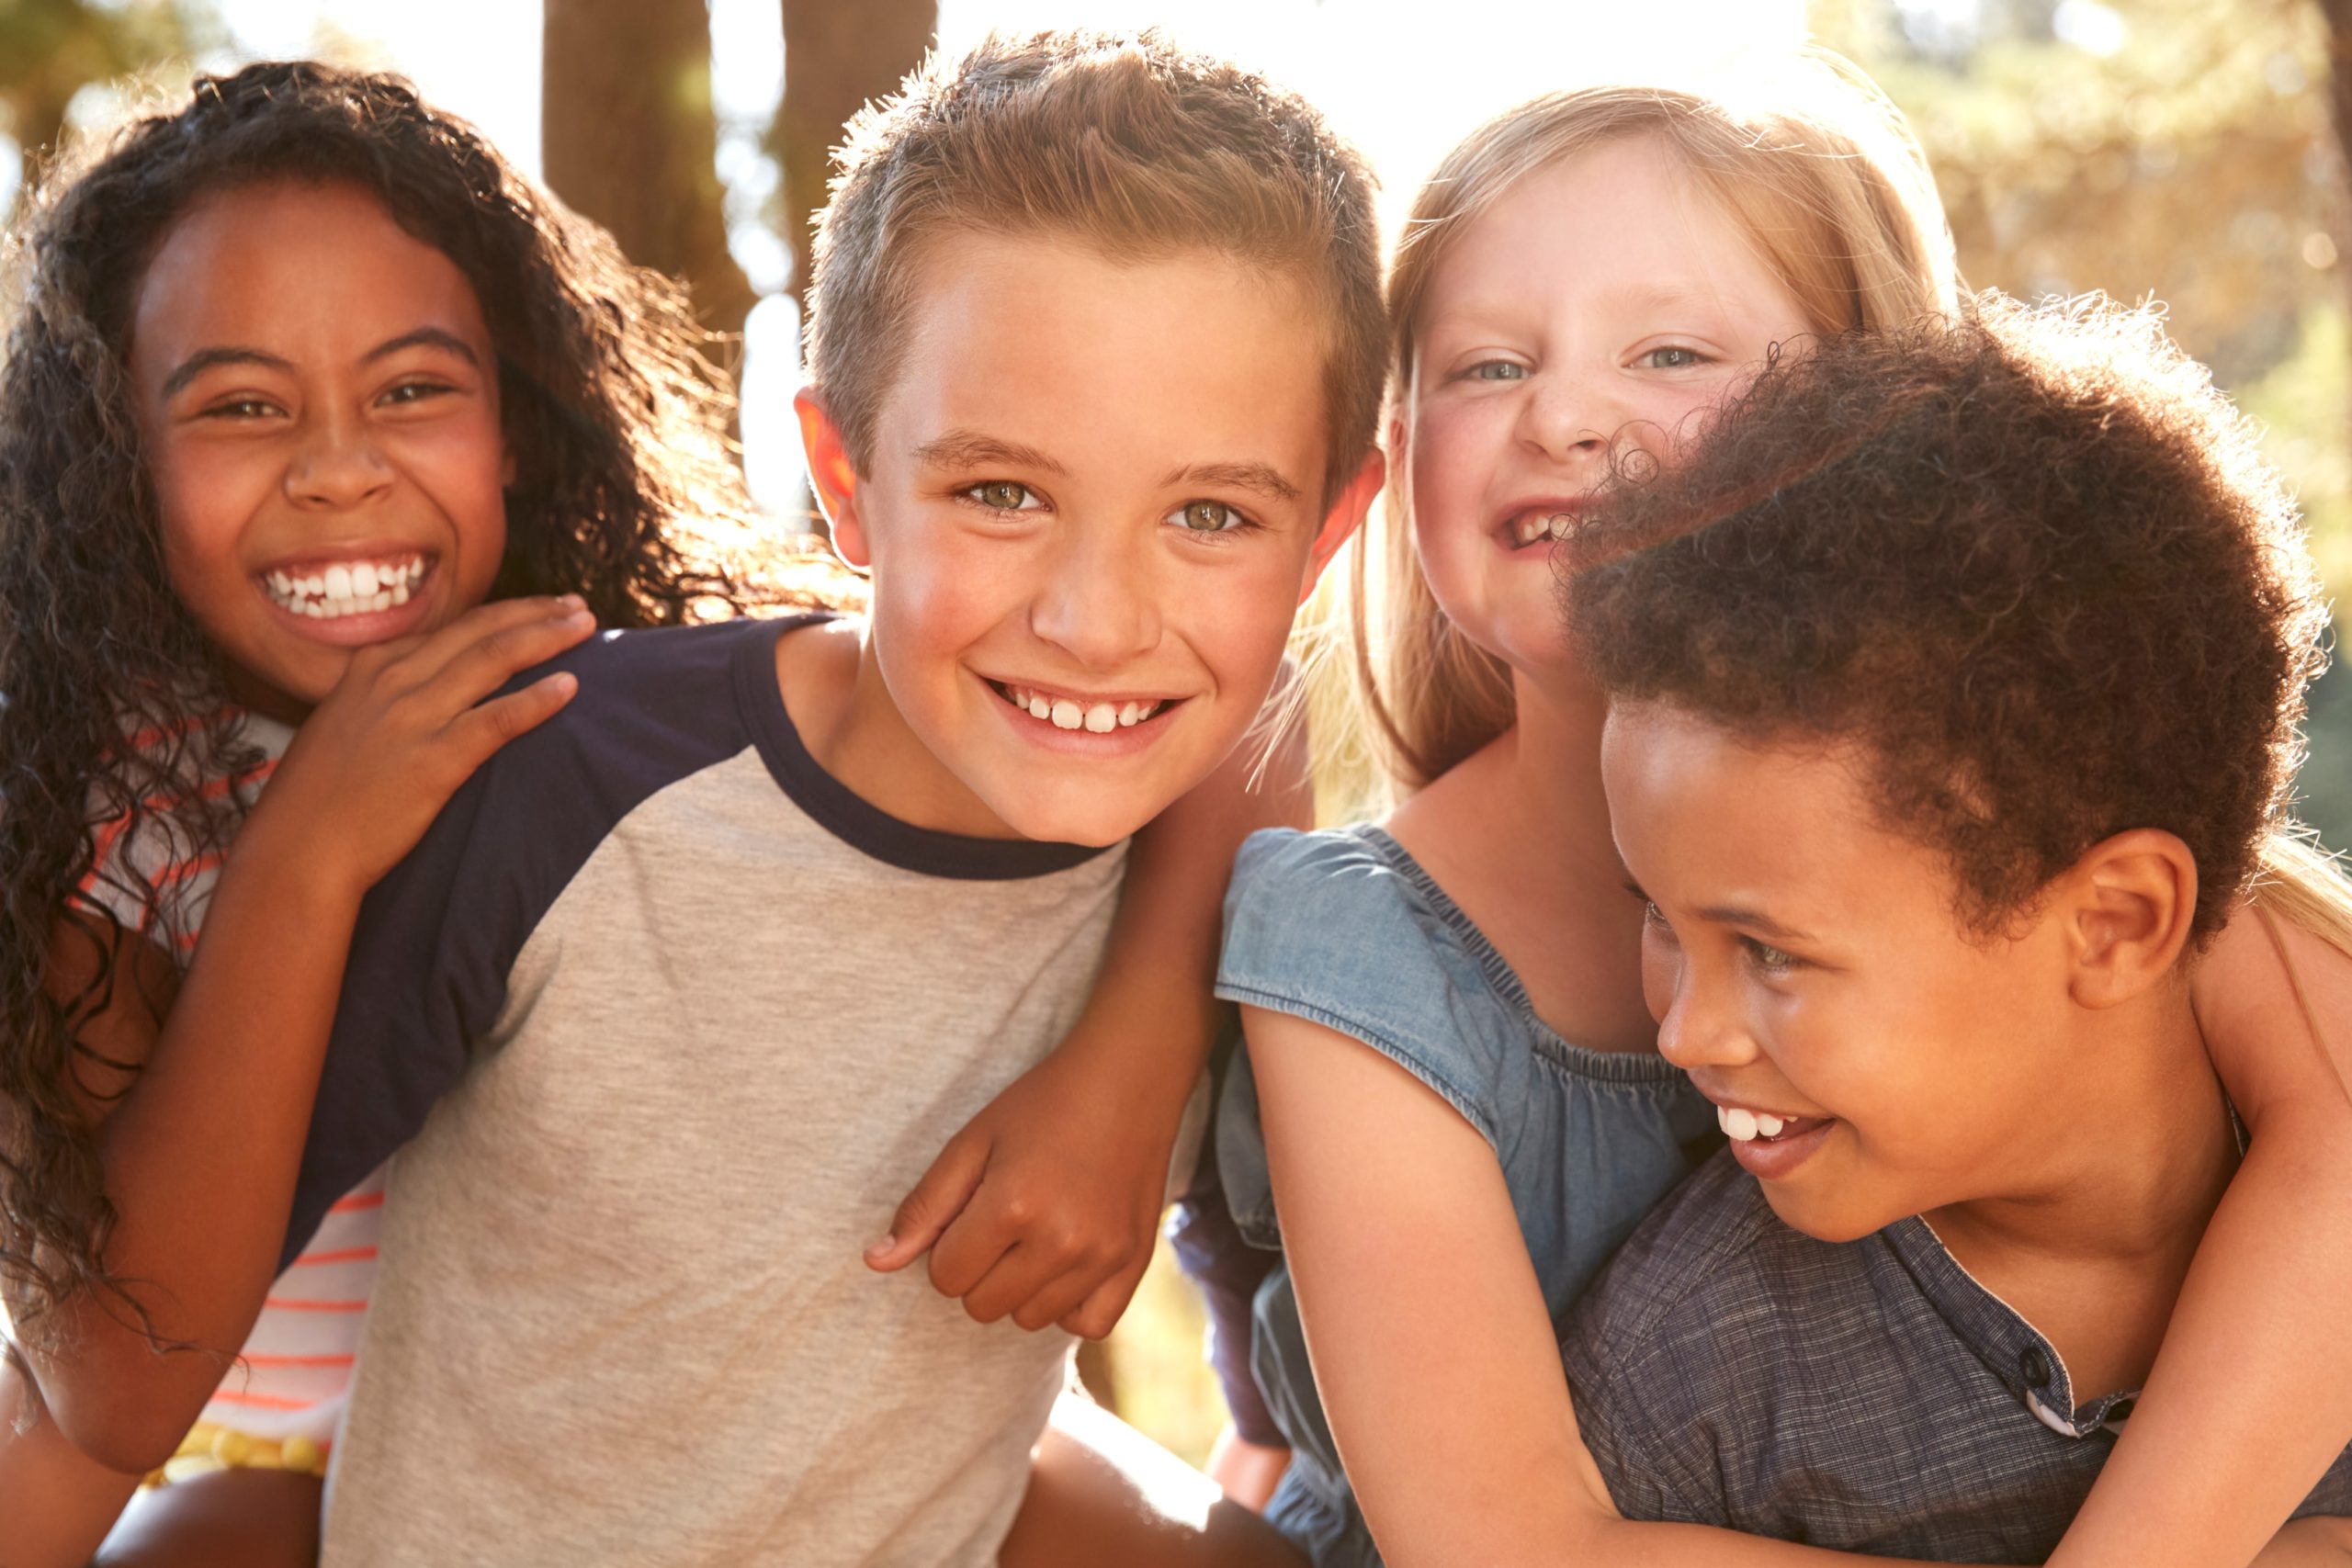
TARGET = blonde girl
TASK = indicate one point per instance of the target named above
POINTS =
(1453, 1090)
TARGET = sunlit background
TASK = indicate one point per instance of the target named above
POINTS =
(2175, 148)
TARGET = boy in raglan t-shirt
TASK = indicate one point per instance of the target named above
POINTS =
(686, 988)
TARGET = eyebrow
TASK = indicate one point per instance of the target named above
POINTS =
(425, 337)
(205, 360)
(969, 448)
(1754, 919)
(1260, 477)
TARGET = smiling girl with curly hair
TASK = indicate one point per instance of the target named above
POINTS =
(313, 413)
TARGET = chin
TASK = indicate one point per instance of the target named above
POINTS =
(1823, 1222)
(1090, 823)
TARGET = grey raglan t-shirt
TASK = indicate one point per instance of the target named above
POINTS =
(664, 1021)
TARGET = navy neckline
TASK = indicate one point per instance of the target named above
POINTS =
(848, 816)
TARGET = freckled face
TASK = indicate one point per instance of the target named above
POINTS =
(1807, 971)
(1604, 297)
(318, 395)
(1093, 509)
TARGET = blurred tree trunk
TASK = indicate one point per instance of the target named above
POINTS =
(2339, 77)
(837, 55)
(630, 140)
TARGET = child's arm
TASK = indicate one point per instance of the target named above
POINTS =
(59, 1503)
(201, 1155)
(1045, 1205)
(2251, 1398)
(1433, 1350)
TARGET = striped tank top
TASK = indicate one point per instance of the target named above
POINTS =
(294, 1371)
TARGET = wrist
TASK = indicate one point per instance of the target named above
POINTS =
(286, 856)
(1148, 1068)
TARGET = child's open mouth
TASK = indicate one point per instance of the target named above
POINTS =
(1768, 1145)
(1537, 526)
(332, 590)
(1069, 710)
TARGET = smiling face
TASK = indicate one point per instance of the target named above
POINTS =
(318, 396)
(1867, 1059)
(1092, 510)
(1604, 297)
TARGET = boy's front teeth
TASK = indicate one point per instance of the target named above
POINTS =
(1062, 713)
(1742, 1125)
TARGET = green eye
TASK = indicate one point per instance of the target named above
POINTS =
(1498, 370)
(1002, 496)
(1208, 517)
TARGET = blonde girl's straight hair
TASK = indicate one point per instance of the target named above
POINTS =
(1819, 171)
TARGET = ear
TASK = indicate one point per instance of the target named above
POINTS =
(833, 479)
(1345, 518)
(2127, 906)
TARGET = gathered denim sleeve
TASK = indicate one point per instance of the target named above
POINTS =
(1341, 929)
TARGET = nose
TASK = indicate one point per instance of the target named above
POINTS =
(1565, 417)
(336, 466)
(1704, 1026)
(1098, 600)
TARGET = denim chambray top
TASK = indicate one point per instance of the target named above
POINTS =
(1870, 1395)
(1343, 928)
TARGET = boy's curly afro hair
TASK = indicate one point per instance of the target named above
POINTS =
(2029, 560)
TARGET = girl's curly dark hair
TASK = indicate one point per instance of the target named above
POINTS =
(2030, 560)
(624, 493)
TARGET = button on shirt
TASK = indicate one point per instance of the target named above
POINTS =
(1868, 1395)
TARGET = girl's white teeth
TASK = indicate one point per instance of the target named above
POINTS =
(347, 588)
(1742, 1125)
(1527, 529)
(1067, 713)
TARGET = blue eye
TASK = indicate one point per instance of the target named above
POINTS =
(1002, 496)
(1208, 517)
(1673, 358)
(1496, 371)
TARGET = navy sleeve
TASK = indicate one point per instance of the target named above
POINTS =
(426, 978)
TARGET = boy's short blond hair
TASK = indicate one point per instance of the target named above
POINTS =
(1120, 140)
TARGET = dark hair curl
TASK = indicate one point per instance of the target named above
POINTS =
(2029, 560)
(624, 493)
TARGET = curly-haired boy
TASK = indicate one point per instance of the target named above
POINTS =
(1952, 698)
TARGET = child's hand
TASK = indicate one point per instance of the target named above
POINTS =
(406, 725)
(1044, 1206)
